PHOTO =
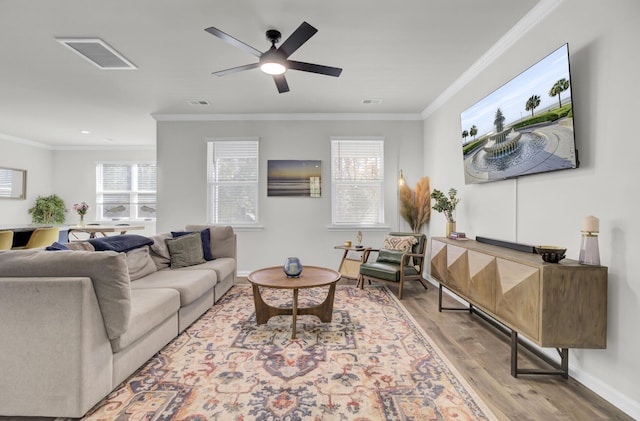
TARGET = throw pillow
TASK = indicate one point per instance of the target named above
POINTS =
(56, 246)
(159, 251)
(402, 243)
(223, 239)
(205, 235)
(121, 243)
(185, 250)
(139, 263)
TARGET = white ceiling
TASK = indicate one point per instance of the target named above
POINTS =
(404, 53)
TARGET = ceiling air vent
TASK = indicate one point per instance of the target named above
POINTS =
(97, 52)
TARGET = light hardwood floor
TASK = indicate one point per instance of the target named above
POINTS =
(482, 355)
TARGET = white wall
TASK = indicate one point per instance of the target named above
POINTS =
(68, 173)
(74, 177)
(548, 208)
(293, 226)
(38, 163)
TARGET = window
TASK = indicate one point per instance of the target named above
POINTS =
(126, 191)
(6, 181)
(232, 181)
(357, 182)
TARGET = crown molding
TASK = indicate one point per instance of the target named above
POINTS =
(105, 148)
(290, 117)
(524, 25)
(26, 142)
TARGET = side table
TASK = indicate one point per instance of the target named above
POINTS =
(311, 277)
(349, 266)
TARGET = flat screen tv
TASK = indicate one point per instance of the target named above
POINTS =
(524, 127)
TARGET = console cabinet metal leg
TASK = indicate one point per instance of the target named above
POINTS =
(556, 305)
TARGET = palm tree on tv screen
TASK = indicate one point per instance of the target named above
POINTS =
(532, 103)
(560, 86)
(473, 131)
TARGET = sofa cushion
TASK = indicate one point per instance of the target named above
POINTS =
(107, 270)
(149, 308)
(223, 267)
(191, 284)
(223, 241)
(120, 243)
(185, 250)
(384, 270)
(205, 235)
(159, 251)
(80, 245)
(139, 263)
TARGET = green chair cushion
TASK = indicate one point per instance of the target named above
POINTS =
(385, 270)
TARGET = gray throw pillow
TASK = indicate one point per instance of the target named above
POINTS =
(185, 250)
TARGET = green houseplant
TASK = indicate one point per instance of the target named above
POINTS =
(446, 204)
(48, 210)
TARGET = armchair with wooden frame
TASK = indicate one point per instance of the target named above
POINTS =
(402, 259)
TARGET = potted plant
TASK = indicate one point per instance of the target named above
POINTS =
(48, 210)
(81, 209)
(446, 205)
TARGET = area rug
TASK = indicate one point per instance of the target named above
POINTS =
(372, 362)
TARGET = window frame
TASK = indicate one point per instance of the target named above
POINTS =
(133, 193)
(216, 220)
(380, 182)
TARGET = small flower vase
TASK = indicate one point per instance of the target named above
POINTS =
(81, 223)
(292, 267)
(451, 227)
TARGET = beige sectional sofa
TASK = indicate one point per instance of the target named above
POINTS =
(74, 324)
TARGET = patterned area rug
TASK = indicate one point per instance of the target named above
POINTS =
(372, 362)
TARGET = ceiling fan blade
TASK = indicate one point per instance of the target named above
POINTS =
(299, 37)
(314, 68)
(231, 40)
(281, 83)
(236, 69)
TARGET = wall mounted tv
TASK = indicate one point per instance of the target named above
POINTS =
(524, 127)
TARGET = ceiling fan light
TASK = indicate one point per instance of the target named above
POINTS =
(273, 68)
(272, 62)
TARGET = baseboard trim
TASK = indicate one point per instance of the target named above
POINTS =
(602, 389)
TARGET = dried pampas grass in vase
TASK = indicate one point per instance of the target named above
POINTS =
(415, 206)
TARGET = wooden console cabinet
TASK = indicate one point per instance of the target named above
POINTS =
(561, 305)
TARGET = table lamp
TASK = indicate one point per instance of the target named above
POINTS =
(589, 253)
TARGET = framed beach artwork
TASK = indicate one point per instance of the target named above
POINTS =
(294, 178)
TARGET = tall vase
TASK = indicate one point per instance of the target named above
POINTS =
(81, 223)
(451, 227)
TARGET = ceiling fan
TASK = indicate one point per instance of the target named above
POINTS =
(275, 61)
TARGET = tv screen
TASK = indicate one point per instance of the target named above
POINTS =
(524, 127)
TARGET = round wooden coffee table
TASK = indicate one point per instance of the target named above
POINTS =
(311, 277)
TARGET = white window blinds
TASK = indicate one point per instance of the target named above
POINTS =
(6, 180)
(232, 172)
(357, 181)
(126, 191)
